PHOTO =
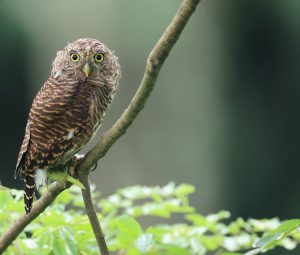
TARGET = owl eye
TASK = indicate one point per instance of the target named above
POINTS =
(99, 57)
(74, 57)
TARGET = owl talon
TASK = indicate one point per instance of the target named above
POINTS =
(94, 167)
(73, 163)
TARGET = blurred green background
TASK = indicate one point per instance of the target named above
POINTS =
(224, 113)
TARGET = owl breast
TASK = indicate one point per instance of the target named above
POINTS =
(85, 117)
(63, 118)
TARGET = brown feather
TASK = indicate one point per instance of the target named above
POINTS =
(29, 188)
(23, 150)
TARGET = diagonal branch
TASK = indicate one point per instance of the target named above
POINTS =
(154, 63)
(39, 206)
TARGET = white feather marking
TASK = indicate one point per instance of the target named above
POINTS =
(40, 178)
(57, 74)
(71, 134)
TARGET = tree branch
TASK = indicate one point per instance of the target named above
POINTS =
(154, 63)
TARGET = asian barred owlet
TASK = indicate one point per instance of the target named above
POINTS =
(67, 111)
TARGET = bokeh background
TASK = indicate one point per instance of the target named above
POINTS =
(224, 115)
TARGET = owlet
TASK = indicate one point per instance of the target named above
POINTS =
(67, 111)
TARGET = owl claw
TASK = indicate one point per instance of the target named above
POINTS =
(73, 163)
(94, 167)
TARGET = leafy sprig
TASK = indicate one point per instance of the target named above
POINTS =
(123, 215)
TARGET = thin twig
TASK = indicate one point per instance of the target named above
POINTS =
(154, 63)
(91, 213)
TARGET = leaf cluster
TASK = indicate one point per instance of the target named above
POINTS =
(63, 228)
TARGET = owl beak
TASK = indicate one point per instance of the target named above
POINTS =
(86, 69)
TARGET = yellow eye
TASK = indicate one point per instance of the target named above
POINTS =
(99, 57)
(74, 57)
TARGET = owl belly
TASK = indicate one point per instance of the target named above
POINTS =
(81, 135)
(78, 142)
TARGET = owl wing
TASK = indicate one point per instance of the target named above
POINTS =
(56, 118)
(23, 150)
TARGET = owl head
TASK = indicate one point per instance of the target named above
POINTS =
(86, 59)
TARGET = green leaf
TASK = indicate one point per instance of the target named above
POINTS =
(156, 210)
(62, 176)
(129, 225)
(231, 253)
(173, 250)
(218, 216)
(135, 211)
(45, 242)
(5, 197)
(197, 246)
(253, 252)
(212, 242)
(168, 190)
(63, 242)
(58, 245)
(267, 241)
(197, 219)
(129, 230)
(65, 197)
(133, 251)
(70, 241)
(55, 219)
(287, 226)
(144, 243)
(184, 189)
(39, 232)
(277, 235)
(136, 192)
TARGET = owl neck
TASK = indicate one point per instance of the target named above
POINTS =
(102, 93)
(86, 91)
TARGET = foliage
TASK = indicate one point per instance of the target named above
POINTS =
(64, 229)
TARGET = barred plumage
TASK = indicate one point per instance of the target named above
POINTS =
(68, 110)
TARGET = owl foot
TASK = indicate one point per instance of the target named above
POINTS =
(94, 167)
(73, 163)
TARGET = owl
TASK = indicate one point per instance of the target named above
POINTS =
(67, 111)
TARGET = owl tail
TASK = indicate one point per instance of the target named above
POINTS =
(29, 188)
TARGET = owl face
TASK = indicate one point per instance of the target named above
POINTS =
(86, 59)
